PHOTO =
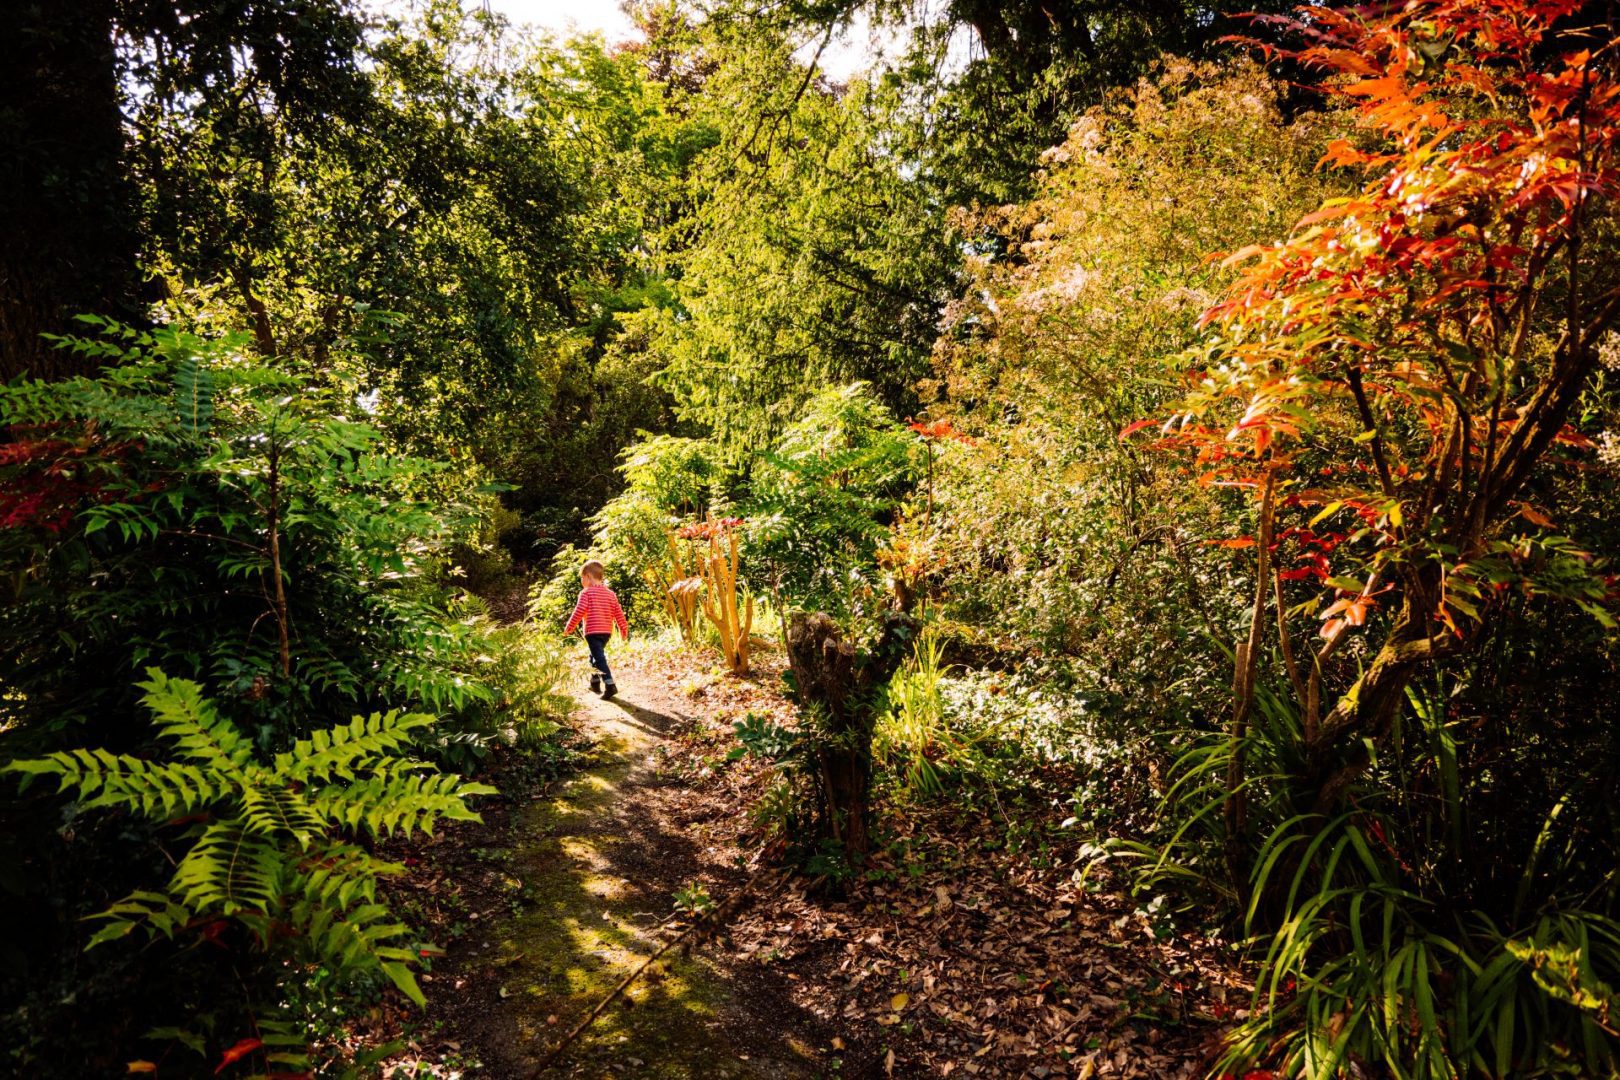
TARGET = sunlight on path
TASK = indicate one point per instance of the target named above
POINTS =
(594, 857)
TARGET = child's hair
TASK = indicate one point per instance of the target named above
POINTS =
(593, 569)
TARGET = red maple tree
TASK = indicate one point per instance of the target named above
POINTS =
(1392, 381)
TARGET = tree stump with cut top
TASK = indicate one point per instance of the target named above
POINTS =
(842, 689)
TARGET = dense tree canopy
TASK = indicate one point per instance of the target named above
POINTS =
(1188, 461)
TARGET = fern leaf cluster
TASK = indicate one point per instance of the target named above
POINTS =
(103, 779)
(274, 849)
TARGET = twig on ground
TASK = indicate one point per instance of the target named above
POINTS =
(711, 917)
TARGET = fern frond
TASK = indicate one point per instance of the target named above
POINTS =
(185, 716)
(339, 875)
(270, 859)
(273, 811)
(156, 910)
(339, 922)
(432, 683)
(382, 804)
(231, 869)
(193, 394)
(348, 748)
(329, 673)
(103, 779)
(359, 939)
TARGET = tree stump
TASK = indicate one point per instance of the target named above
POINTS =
(841, 689)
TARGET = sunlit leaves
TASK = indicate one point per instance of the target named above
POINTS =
(1403, 369)
(1397, 343)
(268, 850)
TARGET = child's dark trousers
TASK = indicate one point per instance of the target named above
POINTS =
(598, 646)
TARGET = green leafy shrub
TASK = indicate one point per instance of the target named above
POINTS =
(786, 811)
(526, 668)
(667, 478)
(1426, 882)
(818, 505)
(194, 508)
(822, 498)
(916, 738)
(1411, 931)
(1056, 536)
(273, 847)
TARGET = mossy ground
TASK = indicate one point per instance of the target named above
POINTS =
(592, 861)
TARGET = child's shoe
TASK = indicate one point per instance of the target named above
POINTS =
(610, 689)
(596, 683)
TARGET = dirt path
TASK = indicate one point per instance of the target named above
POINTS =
(599, 858)
(956, 953)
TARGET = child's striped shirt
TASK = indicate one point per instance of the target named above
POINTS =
(599, 608)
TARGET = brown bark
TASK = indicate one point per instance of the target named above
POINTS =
(263, 335)
(69, 247)
(1243, 676)
(840, 688)
(1337, 748)
(1285, 639)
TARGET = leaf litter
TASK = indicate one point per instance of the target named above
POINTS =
(973, 960)
(953, 956)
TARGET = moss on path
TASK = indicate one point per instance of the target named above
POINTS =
(599, 863)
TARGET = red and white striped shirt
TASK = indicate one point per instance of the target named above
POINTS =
(599, 608)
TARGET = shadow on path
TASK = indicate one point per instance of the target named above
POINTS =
(598, 861)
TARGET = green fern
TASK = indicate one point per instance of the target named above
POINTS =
(193, 394)
(102, 779)
(362, 744)
(338, 875)
(279, 811)
(199, 733)
(270, 852)
(381, 804)
(230, 870)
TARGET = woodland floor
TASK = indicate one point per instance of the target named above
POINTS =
(953, 957)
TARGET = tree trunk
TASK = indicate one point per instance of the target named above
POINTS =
(1366, 711)
(1245, 668)
(841, 689)
(65, 205)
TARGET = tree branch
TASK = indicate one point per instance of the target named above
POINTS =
(1370, 424)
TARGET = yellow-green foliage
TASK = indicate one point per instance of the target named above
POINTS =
(538, 664)
(1054, 532)
(526, 665)
(269, 851)
(915, 738)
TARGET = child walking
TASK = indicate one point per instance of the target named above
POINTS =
(598, 608)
